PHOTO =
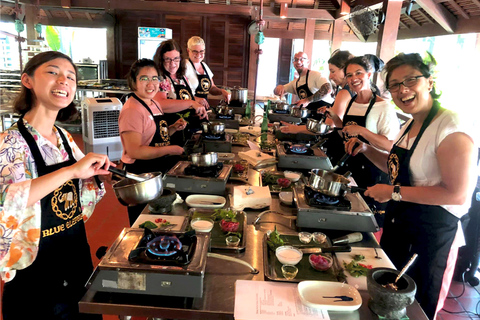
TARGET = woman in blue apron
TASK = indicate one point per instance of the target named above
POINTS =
(144, 131)
(199, 74)
(181, 102)
(432, 189)
(45, 257)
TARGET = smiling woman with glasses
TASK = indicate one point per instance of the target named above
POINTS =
(143, 128)
(176, 97)
(432, 169)
(199, 74)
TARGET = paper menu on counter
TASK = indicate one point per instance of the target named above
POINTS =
(263, 300)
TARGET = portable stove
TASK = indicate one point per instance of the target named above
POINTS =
(314, 158)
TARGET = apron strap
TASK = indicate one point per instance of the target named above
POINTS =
(370, 106)
(144, 104)
(41, 166)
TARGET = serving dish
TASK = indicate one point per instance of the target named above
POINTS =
(273, 268)
(329, 295)
(205, 201)
(217, 236)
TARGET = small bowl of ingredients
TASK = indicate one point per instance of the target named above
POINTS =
(288, 255)
(202, 224)
(292, 176)
(319, 237)
(305, 237)
(320, 262)
(289, 272)
(286, 198)
(276, 188)
(232, 241)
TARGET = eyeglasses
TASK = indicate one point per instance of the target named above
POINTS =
(407, 83)
(146, 79)
(299, 59)
(176, 60)
(195, 52)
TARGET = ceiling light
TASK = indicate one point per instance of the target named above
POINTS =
(65, 4)
(283, 10)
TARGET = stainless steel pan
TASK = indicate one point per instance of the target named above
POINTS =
(300, 112)
(213, 127)
(204, 159)
(132, 192)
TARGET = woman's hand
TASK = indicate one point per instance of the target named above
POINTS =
(226, 95)
(179, 125)
(353, 130)
(290, 128)
(174, 150)
(199, 110)
(380, 192)
(91, 165)
(355, 146)
(325, 110)
(202, 102)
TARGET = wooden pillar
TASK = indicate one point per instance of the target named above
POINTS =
(337, 33)
(252, 64)
(309, 36)
(387, 33)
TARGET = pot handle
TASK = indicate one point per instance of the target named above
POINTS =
(125, 174)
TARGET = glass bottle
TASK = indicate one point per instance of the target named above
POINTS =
(264, 127)
(248, 110)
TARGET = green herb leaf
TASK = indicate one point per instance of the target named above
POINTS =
(148, 225)
(274, 240)
(359, 257)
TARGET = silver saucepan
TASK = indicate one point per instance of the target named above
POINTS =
(224, 110)
(327, 182)
(280, 106)
(204, 159)
(213, 127)
(133, 192)
(300, 112)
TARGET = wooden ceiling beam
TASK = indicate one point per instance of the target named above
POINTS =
(294, 3)
(69, 16)
(441, 15)
(89, 17)
(413, 21)
(372, 7)
(298, 13)
(459, 9)
(420, 12)
(404, 25)
(48, 13)
(476, 2)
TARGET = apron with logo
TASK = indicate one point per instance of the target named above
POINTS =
(63, 263)
(427, 230)
(183, 92)
(204, 82)
(304, 92)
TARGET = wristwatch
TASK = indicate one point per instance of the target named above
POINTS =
(396, 196)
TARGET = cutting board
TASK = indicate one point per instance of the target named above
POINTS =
(361, 282)
(178, 220)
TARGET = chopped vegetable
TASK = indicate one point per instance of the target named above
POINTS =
(284, 182)
(359, 257)
(274, 240)
(356, 269)
(148, 225)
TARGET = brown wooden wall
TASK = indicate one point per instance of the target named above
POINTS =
(226, 38)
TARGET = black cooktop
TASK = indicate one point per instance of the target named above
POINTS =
(165, 248)
(211, 171)
(291, 149)
(215, 137)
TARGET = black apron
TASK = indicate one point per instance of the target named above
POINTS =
(204, 82)
(52, 286)
(183, 92)
(304, 92)
(163, 164)
(427, 230)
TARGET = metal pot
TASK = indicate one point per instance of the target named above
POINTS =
(300, 112)
(204, 159)
(327, 182)
(131, 192)
(317, 126)
(214, 127)
(239, 94)
(280, 106)
(224, 110)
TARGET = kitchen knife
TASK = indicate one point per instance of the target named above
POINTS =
(326, 249)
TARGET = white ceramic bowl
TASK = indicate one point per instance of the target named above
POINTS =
(286, 198)
(202, 224)
(288, 255)
(293, 176)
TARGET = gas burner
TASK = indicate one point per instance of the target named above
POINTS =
(320, 200)
(214, 136)
(281, 111)
(211, 171)
(296, 150)
(164, 249)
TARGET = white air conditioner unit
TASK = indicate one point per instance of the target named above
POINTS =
(100, 126)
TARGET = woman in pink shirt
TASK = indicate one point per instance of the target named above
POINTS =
(144, 132)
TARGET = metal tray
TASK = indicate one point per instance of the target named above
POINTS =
(273, 268)
(217, 239)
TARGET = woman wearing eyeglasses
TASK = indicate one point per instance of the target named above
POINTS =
(199, 74)
(144, 132)
(432, 167)
(180, 100)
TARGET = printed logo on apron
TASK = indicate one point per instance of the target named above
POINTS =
(163, 125)
(302, 94)
(393, 166)
(349, 136)
(185, 95)
(205, 83)
(65, 200)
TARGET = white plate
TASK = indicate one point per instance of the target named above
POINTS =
(312, 294)
(205, 201)
(286, 197)
(225, 156)
(177, 220)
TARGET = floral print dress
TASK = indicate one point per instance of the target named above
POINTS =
(19, 224)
